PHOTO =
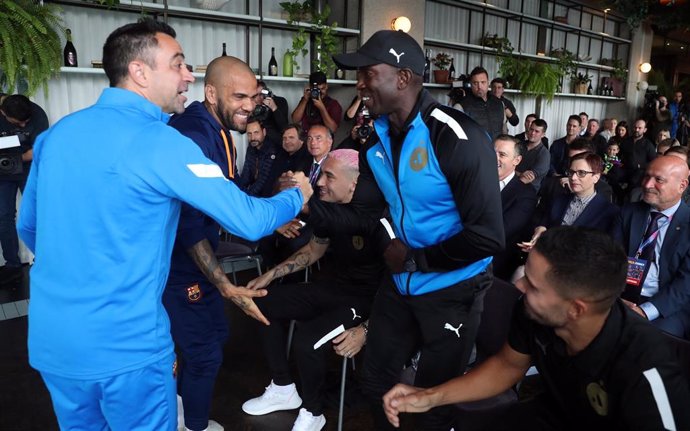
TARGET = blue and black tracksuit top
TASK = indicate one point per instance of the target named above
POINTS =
(440, 180)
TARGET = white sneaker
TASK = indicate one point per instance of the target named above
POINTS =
(308, 422)
(275, 398)
(180, 414)
(214, 426)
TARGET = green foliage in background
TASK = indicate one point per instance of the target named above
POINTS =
(325, 39)
(30, 44)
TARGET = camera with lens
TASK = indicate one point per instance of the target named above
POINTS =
(650, 99)
(365, 129)
(315, 92)
(261, 112)
(11, 157)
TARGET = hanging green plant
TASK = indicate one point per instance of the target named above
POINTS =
(30, 45)
(325, 39)
(535, 78)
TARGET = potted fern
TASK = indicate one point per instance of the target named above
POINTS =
(441, 62)
(30, 45)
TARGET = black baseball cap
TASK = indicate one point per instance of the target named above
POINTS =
(395, 48)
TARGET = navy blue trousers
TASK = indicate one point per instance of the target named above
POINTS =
(199, 329)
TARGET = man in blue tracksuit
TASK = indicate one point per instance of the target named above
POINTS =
(100, 211)
(193, 295)
(437, 172)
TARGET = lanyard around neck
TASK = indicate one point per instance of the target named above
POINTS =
(653, 236)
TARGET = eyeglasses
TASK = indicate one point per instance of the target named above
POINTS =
(579, 173)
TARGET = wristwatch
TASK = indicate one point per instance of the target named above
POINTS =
(410, 265)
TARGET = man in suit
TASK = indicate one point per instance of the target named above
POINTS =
(518, 200)
(663, 289)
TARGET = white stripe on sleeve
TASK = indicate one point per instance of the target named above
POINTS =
(450, 121)
(206, 171)
(661, 398)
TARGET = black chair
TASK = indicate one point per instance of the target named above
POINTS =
(499, 302)
(681, 349)
(237, 256)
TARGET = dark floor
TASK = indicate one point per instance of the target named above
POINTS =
(25, 402)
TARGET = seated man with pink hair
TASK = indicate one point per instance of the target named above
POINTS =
(339, 306)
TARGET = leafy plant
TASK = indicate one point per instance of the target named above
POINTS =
(619, 71)
(536, 78)
(109, 3)
(441, 61)
(324, 40)
(298, 12)
(565, 61)
(493, 41)
(30, 45)
(581, 78)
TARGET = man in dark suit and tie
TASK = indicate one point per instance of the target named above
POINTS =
(657, 231)
(518, 200)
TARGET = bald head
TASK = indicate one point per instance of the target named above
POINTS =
(665, 180)
(222, 69)
(229, 91)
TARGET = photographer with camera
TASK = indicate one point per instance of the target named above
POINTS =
(272, 111)
(364, 125)
(25, 120)
(316, 107)
(662, 116)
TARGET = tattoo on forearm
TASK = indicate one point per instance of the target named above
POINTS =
(298, 261)
(241, 302)
(206, 261)
(318, 240)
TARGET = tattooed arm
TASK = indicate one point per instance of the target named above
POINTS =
(302, 258)
(205, 260)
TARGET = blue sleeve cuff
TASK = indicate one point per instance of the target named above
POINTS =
(650, 310)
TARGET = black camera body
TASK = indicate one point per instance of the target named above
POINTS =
(365, 129)
(11, 158)
(315, 91)
(261, 112)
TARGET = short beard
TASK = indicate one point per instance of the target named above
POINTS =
(226, 120)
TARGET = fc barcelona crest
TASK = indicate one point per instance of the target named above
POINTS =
(193, 293)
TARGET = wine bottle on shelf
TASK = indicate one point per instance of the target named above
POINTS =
(427, 66)
(70, 52)
(590, 90)
(225, 53)
(273, 64)
(451, 71)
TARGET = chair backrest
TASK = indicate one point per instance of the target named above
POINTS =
(681, 349)
(499, 302)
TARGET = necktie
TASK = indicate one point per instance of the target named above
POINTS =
(648, 253)
(313, 173)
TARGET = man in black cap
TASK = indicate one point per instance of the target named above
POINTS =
(316, 107)
(437, 172)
